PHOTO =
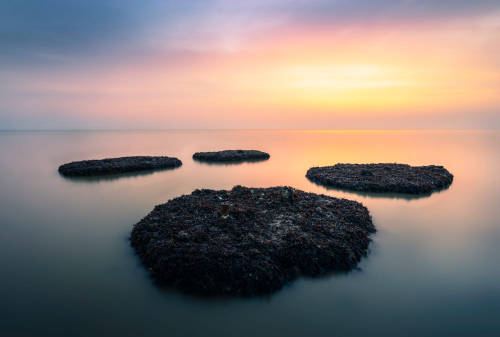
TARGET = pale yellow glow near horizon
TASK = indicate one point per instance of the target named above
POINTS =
(341, 77)
(360, 87)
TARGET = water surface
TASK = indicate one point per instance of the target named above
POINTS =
(68, 269)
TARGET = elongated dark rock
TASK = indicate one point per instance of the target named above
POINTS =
(117, 165)
(250, 241)
(231, 156)
(398, 178)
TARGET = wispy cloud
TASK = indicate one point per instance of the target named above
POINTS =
(246, 62)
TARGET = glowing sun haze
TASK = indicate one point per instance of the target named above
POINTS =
(249, 64)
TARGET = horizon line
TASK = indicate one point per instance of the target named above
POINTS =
(230, 129)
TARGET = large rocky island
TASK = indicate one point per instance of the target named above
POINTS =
(87, 168)
(250, 241)
(231, 156)
(398, 178)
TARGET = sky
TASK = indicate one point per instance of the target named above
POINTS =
(257, 64)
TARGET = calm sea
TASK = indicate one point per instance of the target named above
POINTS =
(67, 268)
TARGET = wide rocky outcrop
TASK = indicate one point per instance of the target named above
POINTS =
(87, 168)
(397, 178)
(250, 241)
(231, 156)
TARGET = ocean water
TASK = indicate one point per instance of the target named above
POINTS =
(67, 268)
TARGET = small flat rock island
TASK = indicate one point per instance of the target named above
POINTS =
(250, 241)
(87, 168)
(397, 178)
(231, 156)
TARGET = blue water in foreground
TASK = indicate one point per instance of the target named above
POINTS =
(67, 268)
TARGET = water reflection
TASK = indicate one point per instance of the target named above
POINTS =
(390, 195)
(229, 163)
(116, 176)
(228, 299)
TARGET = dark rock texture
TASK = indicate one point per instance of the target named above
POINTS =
(250, 241)
(231, 156)
(398, 178)
(87, 168)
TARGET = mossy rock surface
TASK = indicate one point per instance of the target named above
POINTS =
(250, 241)
(396, 178)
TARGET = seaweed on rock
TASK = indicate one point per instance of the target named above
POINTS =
(231, 156)
(97, 167)
(397, 178)
(250, 241)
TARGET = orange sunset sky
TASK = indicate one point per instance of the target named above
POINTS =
(249, 64)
